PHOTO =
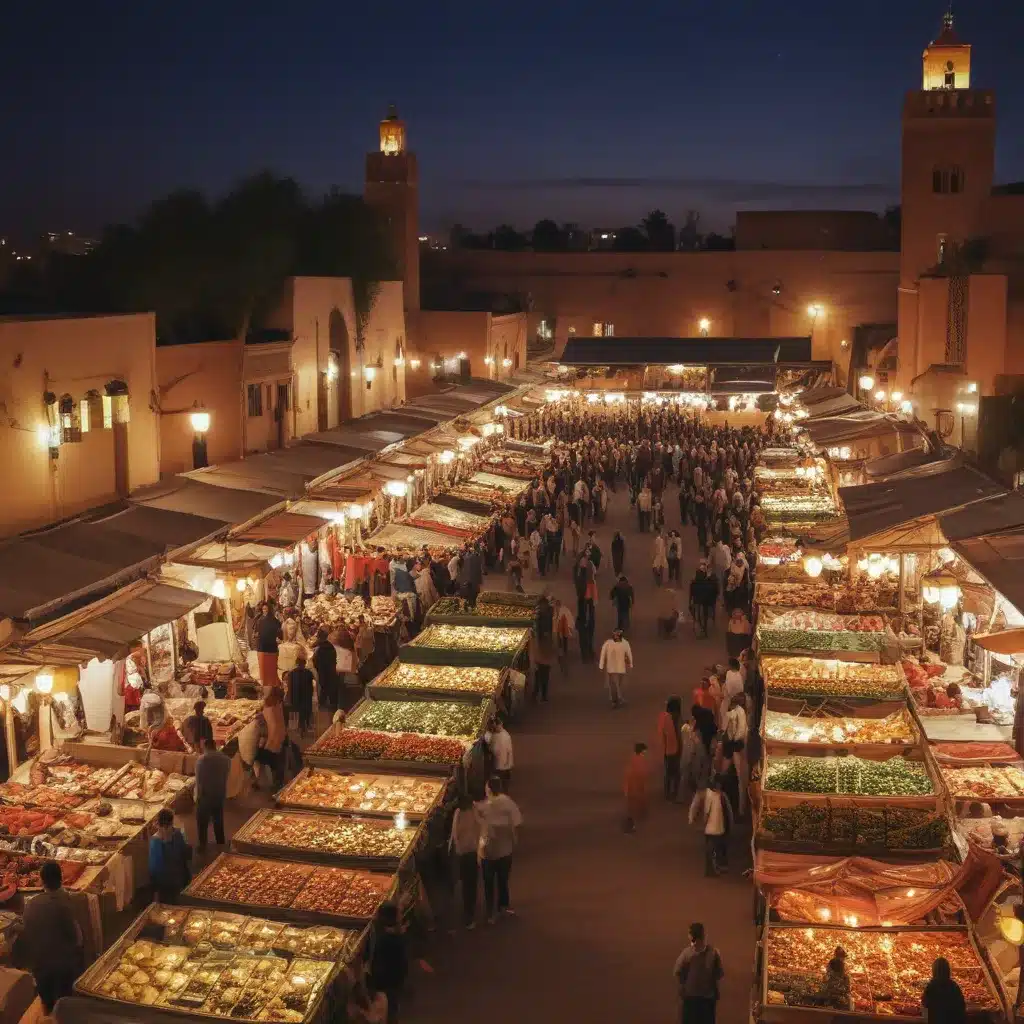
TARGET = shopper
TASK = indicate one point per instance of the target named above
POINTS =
(699, 973)
(674, 556)
(212, 770)
(500, 819)
(464, 841)
(197, 727)
(52, 938)
(300, 691)
(618, 553)
(622, 597)
(616, 660)
(564, 630)
(543, 654)
(170, 858)
(714, 813)
(272, 745)
(943, 999)
(734, 746)
(659, 558)
(499, 744)
(389, 962)
(325, 665)
(635, 787)
(268, 635)
(670, 741)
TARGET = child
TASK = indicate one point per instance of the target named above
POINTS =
(636, 786)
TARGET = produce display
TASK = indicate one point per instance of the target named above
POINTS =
(328, 790)
(772, 455)
(896, 776)
(327, 834)
(371, 745)
(227, 716)
(223, 965)
(984, 783)
(471, 491)
(895, 828)
(462, 679)
(486, 609)
(508, 484)
(21, 871)
(773, 550)
(894, 728)
(141, 783)
(496, 639)
(795, 629)
(888, 970)
(431, 717)
(811, 594)
(801, 508)
(863, 594)
(827, 677)
(340, 612)
(339, 892)
(809, 620)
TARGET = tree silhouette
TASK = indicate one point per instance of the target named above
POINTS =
(547, 237)
(661, 235)
(714, 242)
(630, 239)
(506, 237)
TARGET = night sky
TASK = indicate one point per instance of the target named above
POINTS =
(587, 110)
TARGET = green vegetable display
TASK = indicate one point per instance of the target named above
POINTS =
(770, 639)
(434, 717)
(896, 776)
(896, 828)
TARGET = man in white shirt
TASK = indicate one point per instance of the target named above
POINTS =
(721, 560)
(732, 687)
(499, 742)
(616, 659)
(716, 814)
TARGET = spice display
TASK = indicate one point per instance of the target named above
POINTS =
(341, 892)
(984, 782)
(828, 677)
(896, 776)
(141, 783)
(497, 639)
(342, 791)
(223, 965)
(895, 828)
(461, 679)
(371, 745)
(894, 728)
(820, 596)
(327, 833)
(340, 612)
(431, 717)
(888, 970)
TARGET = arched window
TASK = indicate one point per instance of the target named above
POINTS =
(947, 180)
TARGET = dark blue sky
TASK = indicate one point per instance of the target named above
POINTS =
(586, 110)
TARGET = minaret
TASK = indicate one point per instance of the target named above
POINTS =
(391, 187)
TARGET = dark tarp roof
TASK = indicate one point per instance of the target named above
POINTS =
(285, 472)
(1001, 513)
(875, 507)
(284, 530)
(228, 504)
(795, 350)
(670, 351)
(889, 467)
(838, 406)
(86, 555)
(814, 396)
(999, 557)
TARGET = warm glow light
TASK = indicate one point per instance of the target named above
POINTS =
(332, 371)
(867, 382)
(972, 387)
(277, 561)
(200, 422)
(506, 363)
(410, 478)
(906, 406)
(462, 355)
(43, 434)
(813, 566)
(815, 309)
(879, 395)
(219, 589)
(369, 372)
(399, 360)
(44, 682)
(446, 456)
(704, 324)
(467, 441)
(897, 396)
(240, 585)
(414, 363)
(396, 488)
(5, 692)
(400, 820)
(1012, 929)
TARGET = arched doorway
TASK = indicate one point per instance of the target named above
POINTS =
(338, 405)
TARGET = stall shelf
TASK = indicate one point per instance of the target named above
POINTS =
(449, 682)
(458, 719)
(372, 794)
(821, 634)
(808, 677)
(177, 963)
(328, 838)
(494, 647)
(455, 611)
(309, 894)
(1001, 784)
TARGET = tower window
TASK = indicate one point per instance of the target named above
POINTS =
(949, 77)
(947, 180)
(943, 248)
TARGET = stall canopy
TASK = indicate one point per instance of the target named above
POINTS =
(107, 629)
(876, 507)
(840, 405)
(999, 557)
(831, 430)
(373, 432)
(227, 504)
(671, 351)
(43, 571)
(997, 515)
(285, 529)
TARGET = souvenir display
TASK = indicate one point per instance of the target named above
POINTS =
(370, 745)
(888, 970)
(493, 639)
(336, 892)
(894, 728)
(987, 782)
(826, 677)
(327, 834)
(324, 789)
(404, 675)
(896, 776)
(820, 826)
(341, 612)
(431, 717)
(141, 783)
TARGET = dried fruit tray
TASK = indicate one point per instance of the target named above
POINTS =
(451, 682)
(373, 794)
(492, 646)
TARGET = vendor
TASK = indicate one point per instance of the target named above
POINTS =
(197, 727)
(835, 990)
(152, 709)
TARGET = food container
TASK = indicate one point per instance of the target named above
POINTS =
(449, 682)
(375, 795)
(495, 647)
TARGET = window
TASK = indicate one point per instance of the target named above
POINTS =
(949, 78)
(544, 330)
(254, 393)
(943, 248)
(602, 329)
(947, 180)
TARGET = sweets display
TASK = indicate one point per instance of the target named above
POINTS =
(894, 728)
(431, 717)
(798, 508)
(809, 620)
(508, 484)
(141, 783)
(487, 609)
(827, 677)
(895, 828)
(984, 782)
(462, 679)
(339, 892)
(224, 965)
(444, 515)
(21, 871)
(888, 970)
(794, 629)
(797, 595)
(371, 745)
(68, 775)
(896, 776)
(47, 797)
(773, 550)
(343, 791)
(340, 612)
(496, 639)
(327, 833)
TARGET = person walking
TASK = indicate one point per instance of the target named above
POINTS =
(271, 749)
(622, 597)
(943, 1000)
(659, 558)
(499, 743)
(674, 556)
(635, 787)
(721, 562)
(670, 741)
(170, 857)
(325, 665)
(212, 770)
(300, 691)
(389, 963)
(268, 633)
(699, 972)
(618, 552)
(616, 660)
(500, 819)
(543, 651)
(644, 504)
(563, 633)
(465, 839)
(52, 938)
(715, 813)
(734, 744)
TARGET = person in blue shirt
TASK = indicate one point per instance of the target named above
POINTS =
(169, 859)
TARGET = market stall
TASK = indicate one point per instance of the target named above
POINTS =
(472, 682)
(491, 646)
(805, 630)
(826, 677)
(489, 610)
(369, 794)
(885, 728)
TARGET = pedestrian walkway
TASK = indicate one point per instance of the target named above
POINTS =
(602, 915)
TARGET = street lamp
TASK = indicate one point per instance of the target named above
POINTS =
(704, 324)
(814, 310)
(867, 382)
(200, 420)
